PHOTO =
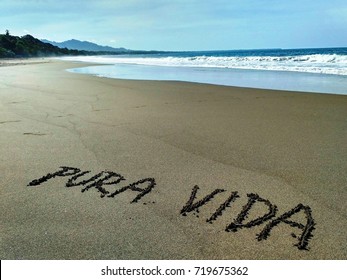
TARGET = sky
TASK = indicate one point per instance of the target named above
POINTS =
(181, 24)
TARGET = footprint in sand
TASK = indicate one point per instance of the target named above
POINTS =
(36, 134)
(9, 122)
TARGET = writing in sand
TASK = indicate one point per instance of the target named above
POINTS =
(144, 186)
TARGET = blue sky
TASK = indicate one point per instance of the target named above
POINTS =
(182, 24)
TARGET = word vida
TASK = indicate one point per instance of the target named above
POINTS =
(145, 186)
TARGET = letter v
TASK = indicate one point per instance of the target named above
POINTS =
(190, 206)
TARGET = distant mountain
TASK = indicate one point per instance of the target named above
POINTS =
(84, 46)
(28, 46)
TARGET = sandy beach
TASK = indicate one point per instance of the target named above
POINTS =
(177, 170)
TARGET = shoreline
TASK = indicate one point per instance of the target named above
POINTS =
(84, 64)
(285, 147)
(250, 78)
(4, 62)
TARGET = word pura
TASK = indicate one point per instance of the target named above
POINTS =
(98, 181)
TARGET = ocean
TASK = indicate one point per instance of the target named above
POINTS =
(321, 70)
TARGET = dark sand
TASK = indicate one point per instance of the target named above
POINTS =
(287, 147)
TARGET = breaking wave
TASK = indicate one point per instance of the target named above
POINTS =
(313, 63)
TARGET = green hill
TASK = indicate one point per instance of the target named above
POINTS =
(28, 46)
(74, 44)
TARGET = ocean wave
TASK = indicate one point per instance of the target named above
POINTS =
(315, 63)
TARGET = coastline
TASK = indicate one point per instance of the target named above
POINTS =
(287, 147)
(4, 62)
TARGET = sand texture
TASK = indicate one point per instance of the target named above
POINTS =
(176, 170)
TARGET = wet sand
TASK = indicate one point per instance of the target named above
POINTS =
(199, 171)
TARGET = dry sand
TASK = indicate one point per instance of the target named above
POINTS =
(287, 147)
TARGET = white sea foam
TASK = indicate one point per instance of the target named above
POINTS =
(317, 63)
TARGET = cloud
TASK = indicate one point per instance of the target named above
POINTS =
(166, 23)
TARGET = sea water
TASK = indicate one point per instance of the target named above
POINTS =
(309, 70)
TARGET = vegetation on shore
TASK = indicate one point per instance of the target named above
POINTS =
(28, 46)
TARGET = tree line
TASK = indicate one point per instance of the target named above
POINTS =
(28, 46)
